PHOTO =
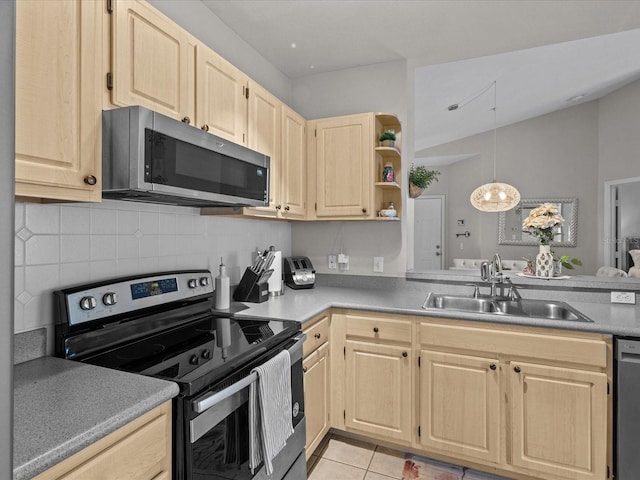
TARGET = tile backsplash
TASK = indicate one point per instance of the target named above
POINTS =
(57, 246)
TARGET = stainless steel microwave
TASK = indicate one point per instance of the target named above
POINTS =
(149, 157)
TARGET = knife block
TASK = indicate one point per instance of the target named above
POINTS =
(249, 290)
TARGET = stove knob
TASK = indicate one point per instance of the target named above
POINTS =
(88, 303)
(192, 283)
(206, 354)
(110, 298)
(194, 360)
(204, 281)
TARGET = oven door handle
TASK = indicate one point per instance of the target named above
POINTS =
(215, 398)
(210, 400)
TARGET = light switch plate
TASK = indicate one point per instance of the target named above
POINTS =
(623, 297)
(333, 261)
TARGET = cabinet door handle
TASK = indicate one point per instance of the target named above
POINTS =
(304, 369)
(375, 330)
(90, 180)
(317, 336)
(287, 208)
(186, 120)
(517, 369)
(364, 210)
(493, 366)
(205, 127)
(278, 207)
(405, 354)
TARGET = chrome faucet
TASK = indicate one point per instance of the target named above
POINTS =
(496, 266)
(492, 272)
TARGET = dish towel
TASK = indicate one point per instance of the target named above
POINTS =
(270, 422)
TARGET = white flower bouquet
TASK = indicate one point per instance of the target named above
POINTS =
(543, 223)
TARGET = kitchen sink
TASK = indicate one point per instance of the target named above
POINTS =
(545, 309)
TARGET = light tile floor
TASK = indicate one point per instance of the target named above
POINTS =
(346, 459)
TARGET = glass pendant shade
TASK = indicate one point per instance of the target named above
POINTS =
(495, 197)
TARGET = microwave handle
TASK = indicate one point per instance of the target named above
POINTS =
(295, 351)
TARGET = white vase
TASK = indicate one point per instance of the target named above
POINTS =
(544, 262)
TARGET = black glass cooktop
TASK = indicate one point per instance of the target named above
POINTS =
(198, 353)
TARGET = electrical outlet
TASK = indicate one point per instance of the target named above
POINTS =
(378, 264)
(623, 297)
(333, 262)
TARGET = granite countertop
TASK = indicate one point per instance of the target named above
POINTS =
(303, 305)
(61, 407)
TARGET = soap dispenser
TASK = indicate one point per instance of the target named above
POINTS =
(222, 288)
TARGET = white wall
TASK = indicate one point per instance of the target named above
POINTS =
(618, 144)
(58, 246)
(375, 88)
(202, 23)
(553, 156)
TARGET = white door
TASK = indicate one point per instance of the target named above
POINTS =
(428, 232)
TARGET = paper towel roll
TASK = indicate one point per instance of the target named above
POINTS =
(276, 286)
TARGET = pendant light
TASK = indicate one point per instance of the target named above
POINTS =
(495, 196)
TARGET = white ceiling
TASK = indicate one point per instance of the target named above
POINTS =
(459, 47)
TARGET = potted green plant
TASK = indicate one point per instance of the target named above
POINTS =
(563, 261)
(387, 138)
(420, 178)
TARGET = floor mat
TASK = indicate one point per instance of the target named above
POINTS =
(420, 468)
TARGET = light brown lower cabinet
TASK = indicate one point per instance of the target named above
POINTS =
(521, 402)
(316, 397)
(316, 381)
(141, 450)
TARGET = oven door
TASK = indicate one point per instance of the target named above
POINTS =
(217, 434)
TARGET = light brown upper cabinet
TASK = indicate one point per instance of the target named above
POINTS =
(341, 152)
(264, 124)
(152, 61)
(348, 162)
(293, 161)
(221, 96)
(58, 100)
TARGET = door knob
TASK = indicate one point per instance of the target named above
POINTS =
(186, 120)
(493, 366)
(205, 127)
(90, 180)
(405, 354)
(517, 369)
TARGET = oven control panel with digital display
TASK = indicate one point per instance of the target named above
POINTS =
(105, 300)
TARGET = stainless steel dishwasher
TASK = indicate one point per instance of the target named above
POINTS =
(627, 409)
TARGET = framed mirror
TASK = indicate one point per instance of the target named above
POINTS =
(510, 223)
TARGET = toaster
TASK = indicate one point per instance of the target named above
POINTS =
(299, 273)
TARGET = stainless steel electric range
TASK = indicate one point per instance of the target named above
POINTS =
(164, 325)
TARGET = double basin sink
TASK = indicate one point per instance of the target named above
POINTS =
(544, 309)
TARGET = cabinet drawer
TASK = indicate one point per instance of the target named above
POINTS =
(141, 450)
(582, 350)
(374, 328)
(317, 334)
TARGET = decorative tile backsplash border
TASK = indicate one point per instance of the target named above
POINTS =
(57, 246)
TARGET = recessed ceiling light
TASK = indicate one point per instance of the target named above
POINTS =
(293, 45)
(312, 67)
(575, 98)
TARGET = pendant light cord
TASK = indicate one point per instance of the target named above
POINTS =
(495, 127)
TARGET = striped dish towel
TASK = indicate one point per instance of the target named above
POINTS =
(270, 411)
